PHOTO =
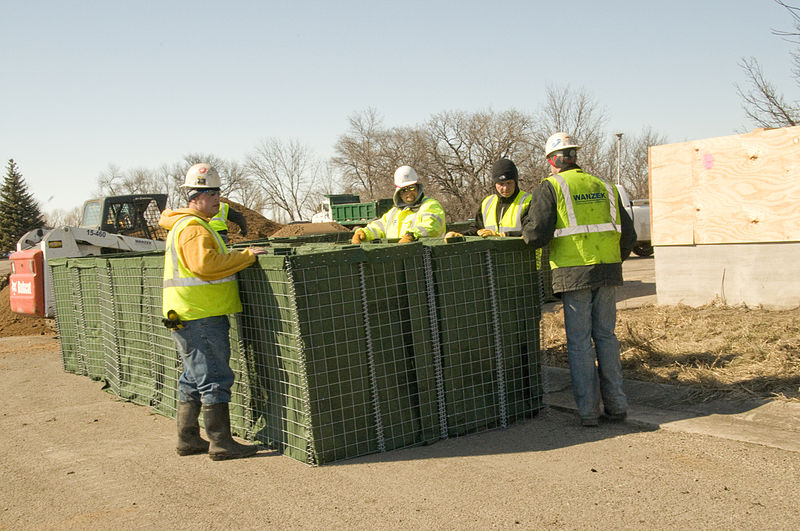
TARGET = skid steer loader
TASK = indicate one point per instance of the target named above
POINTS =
(125, 223)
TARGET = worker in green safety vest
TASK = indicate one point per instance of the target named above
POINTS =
(589, 233)
(502, 212)
(199, 291)
(220, 220)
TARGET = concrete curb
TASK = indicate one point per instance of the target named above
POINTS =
(769, 423)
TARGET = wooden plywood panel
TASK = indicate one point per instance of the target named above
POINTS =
(732, 189)
(672, 190)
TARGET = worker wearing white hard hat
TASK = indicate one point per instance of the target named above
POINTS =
(413, 216)
(203, 178)
(589, 234)
(199, 291)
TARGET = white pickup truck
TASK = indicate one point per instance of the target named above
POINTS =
(639, 211)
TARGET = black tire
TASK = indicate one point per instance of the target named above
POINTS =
(643, 249)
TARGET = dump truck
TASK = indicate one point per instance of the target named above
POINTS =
(347, 210)
(109, 225)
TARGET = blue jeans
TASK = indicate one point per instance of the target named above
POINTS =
(590, 315)
(205, 350)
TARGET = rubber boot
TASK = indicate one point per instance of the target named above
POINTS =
(218, 428)
(189, 440)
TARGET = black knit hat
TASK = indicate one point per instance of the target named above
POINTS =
(503, 170)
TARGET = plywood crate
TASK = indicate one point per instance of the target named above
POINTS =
(716, 205)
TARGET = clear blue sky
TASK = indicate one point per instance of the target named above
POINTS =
(85, 84)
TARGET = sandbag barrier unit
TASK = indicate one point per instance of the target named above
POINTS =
(341, 350)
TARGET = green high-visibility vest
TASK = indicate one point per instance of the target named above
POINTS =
(218, 222)
(588, 226)
(191, 297)
(512, 217)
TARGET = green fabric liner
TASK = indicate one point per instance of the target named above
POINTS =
(314, 378)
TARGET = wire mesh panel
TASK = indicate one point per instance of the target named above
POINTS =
(516, 278)
(135, 371)
(274, 358)
(400, 345)
(327, 290)
(546, 274)
(467, 335)
(86, 304)
(66, 319)
(165, 364)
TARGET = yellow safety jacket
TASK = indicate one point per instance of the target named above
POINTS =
(218, 222)
(588, 226)
(512, 217)
(191, 297)
(426, 221)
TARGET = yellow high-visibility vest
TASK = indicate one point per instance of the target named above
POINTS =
(219, 221)
(512, 217)
(588, 226)
(191, 297)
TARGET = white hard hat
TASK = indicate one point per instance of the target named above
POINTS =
(557, 142)
(201, 175)
(405, 176)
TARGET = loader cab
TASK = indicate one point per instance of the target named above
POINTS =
(130, 215)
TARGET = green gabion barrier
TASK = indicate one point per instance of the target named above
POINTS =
(66, 317)
(543, 263)
(341, 350)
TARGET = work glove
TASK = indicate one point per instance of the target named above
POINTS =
(485, 233)
(452, 234)
(358, 237)
(407, 238)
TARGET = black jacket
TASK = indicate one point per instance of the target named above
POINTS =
(538, 228)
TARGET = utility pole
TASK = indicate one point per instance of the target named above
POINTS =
(619, 157)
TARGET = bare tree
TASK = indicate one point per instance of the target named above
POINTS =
(575, 113)
(634, 164)
(462, 148)
(64, 218)
(114, 181)
(358, 152)
(287, 173)
(763, 104)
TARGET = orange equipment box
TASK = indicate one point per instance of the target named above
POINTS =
(27, 282)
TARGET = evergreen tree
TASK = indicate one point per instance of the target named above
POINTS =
(19, 212)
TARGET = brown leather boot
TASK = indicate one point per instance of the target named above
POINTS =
(189, 440)
(218, 428)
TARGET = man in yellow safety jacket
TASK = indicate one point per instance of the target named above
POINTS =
(501, 213)
(589, 233)
(413, 216)
(200, 290)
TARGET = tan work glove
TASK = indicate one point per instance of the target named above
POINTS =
(485, 233)
(358, 237)
(407, 238)
(452, 234)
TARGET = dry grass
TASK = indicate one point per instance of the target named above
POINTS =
(717, 351)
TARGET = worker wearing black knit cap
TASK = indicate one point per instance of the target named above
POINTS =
(501, 213)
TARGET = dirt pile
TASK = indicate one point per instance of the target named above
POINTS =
(258, 227)
(303, 229)
(15, 324)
